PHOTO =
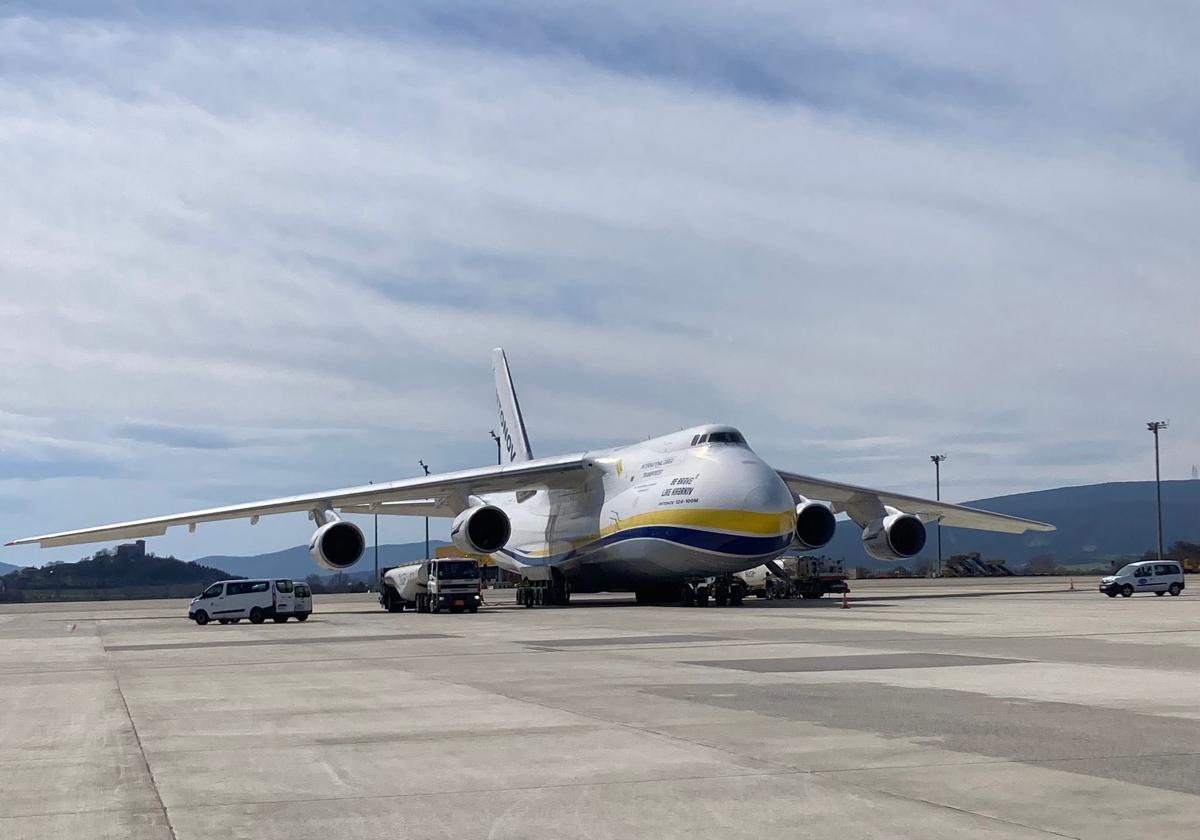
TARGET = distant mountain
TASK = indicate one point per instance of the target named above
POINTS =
(1099, 522)
(296, 564)
(5, 568)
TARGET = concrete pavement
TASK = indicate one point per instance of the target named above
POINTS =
(982, 708)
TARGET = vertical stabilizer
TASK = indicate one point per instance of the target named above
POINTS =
(513, 438)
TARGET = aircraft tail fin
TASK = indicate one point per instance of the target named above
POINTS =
(513, 440)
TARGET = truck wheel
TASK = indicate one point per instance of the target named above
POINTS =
(1175, 588)
(201, 618)
(302, 616)
(257, 616)
(1126, 591)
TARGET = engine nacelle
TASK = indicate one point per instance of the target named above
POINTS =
(896, 536)
(815, 524)
(337, 545)
(482, 529)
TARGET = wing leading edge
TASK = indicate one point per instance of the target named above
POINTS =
(863, 504)
(445, 495)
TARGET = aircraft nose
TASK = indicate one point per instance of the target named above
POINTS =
(767, 492)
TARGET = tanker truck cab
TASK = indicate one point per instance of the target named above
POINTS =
(450, 583)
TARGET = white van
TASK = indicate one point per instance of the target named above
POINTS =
(1159, 578)
(229, 601)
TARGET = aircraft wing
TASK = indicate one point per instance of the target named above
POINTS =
(863, 504)
(432, 495)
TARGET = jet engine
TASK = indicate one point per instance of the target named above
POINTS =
(336, 545)
(482, 529)
(815, 524)
(896, 536)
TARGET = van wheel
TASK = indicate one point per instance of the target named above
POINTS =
(279, 619)
(302, 616)
(1126, 591)
(201, 618)
(257, 616)
(1175, 588)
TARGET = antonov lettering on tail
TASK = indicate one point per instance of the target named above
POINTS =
(654, 518)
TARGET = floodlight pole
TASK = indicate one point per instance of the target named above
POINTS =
(376, 581)
(937, 479)
(1157, 426)
(496, 438)
(425, 467)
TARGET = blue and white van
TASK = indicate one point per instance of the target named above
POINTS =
(1160, 578)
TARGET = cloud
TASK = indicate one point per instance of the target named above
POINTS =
(175, 436)
(270, 245)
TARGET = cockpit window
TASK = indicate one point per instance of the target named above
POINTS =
(719, 437)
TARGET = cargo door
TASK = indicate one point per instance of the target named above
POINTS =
(285, 597)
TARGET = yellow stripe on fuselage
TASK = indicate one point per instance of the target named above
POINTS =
(713, 519)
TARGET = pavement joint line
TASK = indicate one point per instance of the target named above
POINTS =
(260, 642)
(955, 809)
(75, 811)
(993, 761)
(513, 789)
(141, 749)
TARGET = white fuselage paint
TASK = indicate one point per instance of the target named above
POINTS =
(654, 511)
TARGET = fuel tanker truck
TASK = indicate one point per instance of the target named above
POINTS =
(446, 583)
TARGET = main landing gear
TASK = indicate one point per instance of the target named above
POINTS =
(544, 593)
(722, 590)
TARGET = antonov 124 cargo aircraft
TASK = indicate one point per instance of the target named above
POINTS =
(669, 518)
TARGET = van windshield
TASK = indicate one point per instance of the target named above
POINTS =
(212, 591)
(1135, 569)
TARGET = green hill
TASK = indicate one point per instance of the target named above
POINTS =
(109, 577)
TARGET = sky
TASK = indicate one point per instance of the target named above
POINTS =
(249, 250)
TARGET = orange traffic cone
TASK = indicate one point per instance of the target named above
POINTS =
(845, 601)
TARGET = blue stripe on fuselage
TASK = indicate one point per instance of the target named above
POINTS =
(736, 545)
